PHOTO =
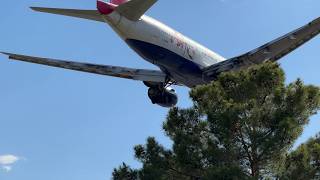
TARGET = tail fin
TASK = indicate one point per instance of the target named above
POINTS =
(132, 9)
(108, 7)
(118, 2)
(105, 7)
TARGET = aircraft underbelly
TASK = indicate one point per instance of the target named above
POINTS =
(175, 54)
(179, 68)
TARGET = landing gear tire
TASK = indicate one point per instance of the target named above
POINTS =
(163, 97)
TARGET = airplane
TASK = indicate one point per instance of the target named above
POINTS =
(181, 61)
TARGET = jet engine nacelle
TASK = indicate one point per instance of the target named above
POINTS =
(164, 97)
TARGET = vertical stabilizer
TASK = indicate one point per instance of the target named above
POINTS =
(105, 7)
(118, 2)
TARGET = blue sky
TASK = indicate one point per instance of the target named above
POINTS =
(59, 124)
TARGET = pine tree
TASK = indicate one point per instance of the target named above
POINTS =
(240, 127)
(304, 162)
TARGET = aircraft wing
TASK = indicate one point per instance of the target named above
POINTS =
(134, 9)
(115, 71)
(271, 51)
(84, 14)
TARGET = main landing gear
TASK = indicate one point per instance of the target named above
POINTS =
(162, 94)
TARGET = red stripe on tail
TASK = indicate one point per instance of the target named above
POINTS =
(105, 7)
(118, 2)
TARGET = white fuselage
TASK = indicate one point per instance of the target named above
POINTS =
(178, 56)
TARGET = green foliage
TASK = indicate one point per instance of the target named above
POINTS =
(304, 162)
(255, 115)
(124, 172)
(240, 126)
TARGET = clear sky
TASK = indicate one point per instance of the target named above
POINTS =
(64, 125)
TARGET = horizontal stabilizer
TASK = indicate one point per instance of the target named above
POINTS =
(84, 14)
(115, 71)
(271, 51)
(134, 9)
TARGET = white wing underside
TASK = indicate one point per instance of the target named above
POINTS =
(272, 51)
(115, 71)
